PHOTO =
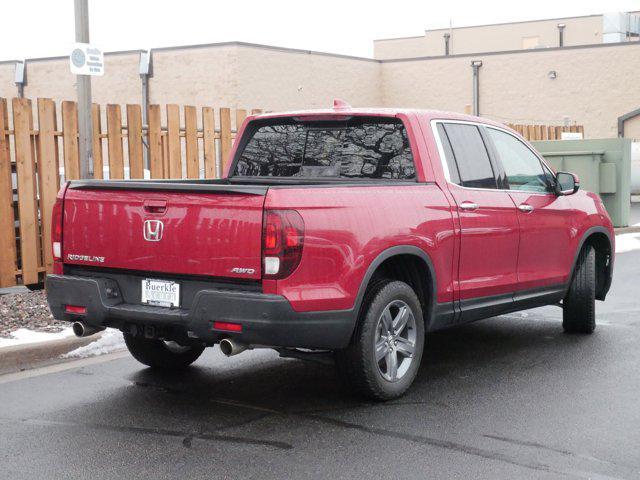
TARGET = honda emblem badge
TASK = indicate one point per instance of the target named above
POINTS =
(153, 230)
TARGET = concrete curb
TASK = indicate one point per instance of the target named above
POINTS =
(621, 230)
(34, 355)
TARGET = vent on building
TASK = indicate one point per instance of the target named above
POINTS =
(619, 27)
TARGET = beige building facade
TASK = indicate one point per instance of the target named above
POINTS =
(534, 34)
(235, 75)
(590, 85)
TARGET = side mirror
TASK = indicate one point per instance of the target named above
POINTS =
(566, 183)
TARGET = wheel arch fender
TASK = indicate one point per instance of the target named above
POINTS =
(385, 255)
(588, 237)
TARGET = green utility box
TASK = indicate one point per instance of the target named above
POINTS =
(603, 166)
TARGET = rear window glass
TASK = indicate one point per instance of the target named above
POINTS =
(357, 148)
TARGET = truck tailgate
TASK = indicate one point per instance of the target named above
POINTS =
(214, 233)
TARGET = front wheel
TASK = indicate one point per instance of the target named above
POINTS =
(384, 357)
(162, 354)
(579, 305)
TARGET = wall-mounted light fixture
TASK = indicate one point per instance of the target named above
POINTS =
(21, 77)
(552, 74)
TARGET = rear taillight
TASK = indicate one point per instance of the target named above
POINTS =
(282, 240)
(56, 234)
(75, 309)
(229, 327)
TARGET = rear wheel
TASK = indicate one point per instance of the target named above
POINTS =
(163, 354)
(384, 358)
(579, 309)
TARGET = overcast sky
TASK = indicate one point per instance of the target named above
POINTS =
(36, 28)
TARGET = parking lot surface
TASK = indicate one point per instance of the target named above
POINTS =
(509, 397)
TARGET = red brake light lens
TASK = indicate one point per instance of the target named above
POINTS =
(229, 327)
(283, 238)
(75, 309)
(56, 236)
(56, 221)
(270, 237)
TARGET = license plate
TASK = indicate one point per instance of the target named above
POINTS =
(161, 293)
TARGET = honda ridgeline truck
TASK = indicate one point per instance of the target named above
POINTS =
(349, 231)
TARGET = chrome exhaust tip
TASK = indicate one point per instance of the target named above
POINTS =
(82, 330)
(230, 348)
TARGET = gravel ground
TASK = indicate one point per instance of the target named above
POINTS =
(27, 310)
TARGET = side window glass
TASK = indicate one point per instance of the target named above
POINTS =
(454, 175)
(524, 170)
(470, 155)
(551, 177)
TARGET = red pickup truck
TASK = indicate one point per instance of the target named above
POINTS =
(352, 232)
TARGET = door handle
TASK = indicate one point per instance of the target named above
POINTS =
(155, 206)
(523, 207)
(468, 206)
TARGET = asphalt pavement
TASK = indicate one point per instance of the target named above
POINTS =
(505, 398)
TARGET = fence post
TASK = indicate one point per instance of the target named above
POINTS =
(27, 195)
(48, 172)
(225, 139)
(70, 140)
(173, 141)
(165, 154)
(134, 141)
(538, 132)
(7, 221)
(154, 136)
(98, 166)
(191, 141)
(241, 114)
(209, 142)
(114, 130)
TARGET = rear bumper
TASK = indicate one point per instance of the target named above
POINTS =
(266, 319)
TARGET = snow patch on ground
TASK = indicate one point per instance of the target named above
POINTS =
(110, 341)
(24, 336)
(627, 242)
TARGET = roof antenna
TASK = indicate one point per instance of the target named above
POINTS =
(339, 104)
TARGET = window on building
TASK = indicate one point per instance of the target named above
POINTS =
(530, 42)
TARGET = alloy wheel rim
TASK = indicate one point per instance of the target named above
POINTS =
(395, 340)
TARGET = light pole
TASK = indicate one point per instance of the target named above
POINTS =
(85, 123)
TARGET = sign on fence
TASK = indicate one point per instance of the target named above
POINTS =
(30, 172)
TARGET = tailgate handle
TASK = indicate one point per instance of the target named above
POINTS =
(155, 206)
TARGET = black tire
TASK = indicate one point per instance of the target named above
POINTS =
(579, 305)
(157, 354)
(357, 363)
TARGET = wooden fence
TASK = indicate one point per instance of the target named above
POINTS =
(30, 172)
(545, 132)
